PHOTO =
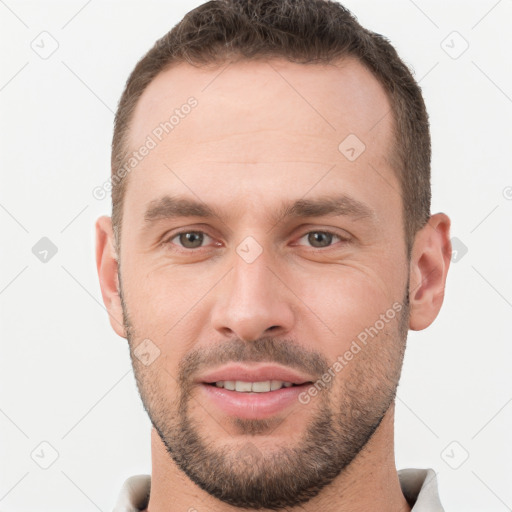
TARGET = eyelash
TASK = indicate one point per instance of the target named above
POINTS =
(168, 241)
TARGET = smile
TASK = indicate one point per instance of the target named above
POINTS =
(253, 387)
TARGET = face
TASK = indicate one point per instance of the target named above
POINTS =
(260, 245)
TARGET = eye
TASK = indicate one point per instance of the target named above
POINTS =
(189, 239)
(320, 239)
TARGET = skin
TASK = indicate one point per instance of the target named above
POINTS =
(266, 132)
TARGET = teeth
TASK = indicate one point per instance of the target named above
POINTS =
(255, 387)
(259, 387)
(275, 384)
(229, 384)
(243, 386)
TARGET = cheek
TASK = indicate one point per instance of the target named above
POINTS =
(345, 301)
(162, 300)
(158, 385)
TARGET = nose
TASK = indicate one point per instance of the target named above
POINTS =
(252, 302)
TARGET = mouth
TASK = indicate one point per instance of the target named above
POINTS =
(253, 392)
(241, 386)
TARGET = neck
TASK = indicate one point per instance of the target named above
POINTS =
(369, 483)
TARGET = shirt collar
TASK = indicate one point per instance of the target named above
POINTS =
(419, 487)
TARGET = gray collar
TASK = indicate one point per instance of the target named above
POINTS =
(419, 487)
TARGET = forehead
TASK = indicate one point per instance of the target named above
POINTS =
(324, 103)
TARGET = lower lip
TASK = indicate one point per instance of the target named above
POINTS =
(253, 405)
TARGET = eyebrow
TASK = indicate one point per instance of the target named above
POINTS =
(168, 207)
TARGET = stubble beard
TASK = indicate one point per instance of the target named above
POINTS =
(247, 475)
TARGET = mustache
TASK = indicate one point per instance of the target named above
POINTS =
(267, 349)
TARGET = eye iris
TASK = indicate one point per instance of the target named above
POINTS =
(192, 237)
(319, 236)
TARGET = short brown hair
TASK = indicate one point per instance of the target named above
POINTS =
(302, 31)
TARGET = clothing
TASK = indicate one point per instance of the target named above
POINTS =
(419, 487)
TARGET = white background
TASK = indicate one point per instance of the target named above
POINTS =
(66, 377)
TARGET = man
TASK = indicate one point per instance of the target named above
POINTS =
(270, 245)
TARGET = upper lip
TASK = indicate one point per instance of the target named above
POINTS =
(258, 373)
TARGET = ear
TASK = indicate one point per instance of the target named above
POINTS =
(107, 265)
(430, 260)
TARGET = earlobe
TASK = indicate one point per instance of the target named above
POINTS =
(430, 260)
(107, 266)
